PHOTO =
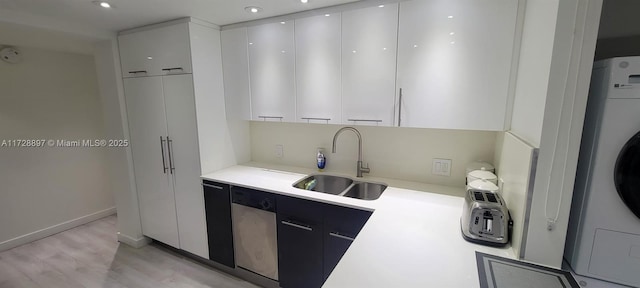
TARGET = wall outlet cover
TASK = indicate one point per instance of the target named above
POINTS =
(279, 151)
(441, 167)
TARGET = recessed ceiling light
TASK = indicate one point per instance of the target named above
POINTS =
(452, 33)
(103, 4)
(283, 22)
(304, 1)
(252, 9)
(450, 17)
(380, 6)
(327, 15)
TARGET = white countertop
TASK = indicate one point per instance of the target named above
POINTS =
(412, 239)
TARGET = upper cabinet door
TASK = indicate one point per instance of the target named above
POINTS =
(235, 68)
(272, 71)
(159, 51)
(318, 98)
(134, 54)
(369, 38)
(454, 62)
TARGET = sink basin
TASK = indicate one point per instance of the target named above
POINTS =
(325, 183)
(341, 186)
(366, 191)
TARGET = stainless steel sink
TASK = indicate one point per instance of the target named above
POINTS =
(366, 190)
(341, 186)
(324, 183)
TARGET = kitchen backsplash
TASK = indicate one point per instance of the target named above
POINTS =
(390, 152)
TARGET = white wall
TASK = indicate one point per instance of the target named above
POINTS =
(15, 34)
(570, 72)
(515, 166)
(217, 131)
(533, 70)
(50, 95)
(391, 152)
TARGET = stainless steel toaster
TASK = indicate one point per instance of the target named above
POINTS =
(485, 218)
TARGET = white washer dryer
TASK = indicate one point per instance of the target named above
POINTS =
(603, 240)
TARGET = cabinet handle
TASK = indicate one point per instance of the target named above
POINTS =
(138, 71)
(400, 108)
(296, 225)
(171, 69)
(170, 147)
(334, 234)
(365, 120)
(213, 186)
(264, 118)
(164, 164)
(314, 118)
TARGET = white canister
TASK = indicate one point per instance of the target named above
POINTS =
(483, 185)
(480, 165)
(482, 175)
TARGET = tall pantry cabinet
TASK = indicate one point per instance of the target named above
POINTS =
(175, 109)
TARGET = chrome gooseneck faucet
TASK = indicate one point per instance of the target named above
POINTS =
(360, 169)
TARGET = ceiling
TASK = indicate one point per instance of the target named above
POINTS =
(619, 18)
(84, 17)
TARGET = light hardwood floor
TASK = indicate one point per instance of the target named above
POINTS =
(90, 256)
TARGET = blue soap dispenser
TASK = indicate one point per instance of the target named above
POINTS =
(322, 161)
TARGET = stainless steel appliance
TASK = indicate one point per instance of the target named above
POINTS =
(254, 231)
(485, 218)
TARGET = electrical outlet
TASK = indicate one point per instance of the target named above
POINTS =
(441, 167)
(279, 150)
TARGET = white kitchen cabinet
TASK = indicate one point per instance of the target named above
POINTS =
(148, 132)
(317, 60)
(178, 132)
(369, 38)
(272, 71)
(185, 161)
(155, 51)
(235, 65)
(164, 141)
(454, 62)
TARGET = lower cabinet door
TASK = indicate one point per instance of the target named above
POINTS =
(335, 245)
(300, 254)
(217, 202)
(341, 225)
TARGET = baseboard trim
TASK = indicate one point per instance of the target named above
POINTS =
(133, 242)
(46, 232)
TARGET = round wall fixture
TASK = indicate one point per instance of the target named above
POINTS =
(10, 55)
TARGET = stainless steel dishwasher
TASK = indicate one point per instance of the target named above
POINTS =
(254, 231)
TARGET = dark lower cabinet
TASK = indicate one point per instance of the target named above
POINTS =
(341, 225)
(312, 236)
(300, 248)
(217, 202)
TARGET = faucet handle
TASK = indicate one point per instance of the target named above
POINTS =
(365, 169)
